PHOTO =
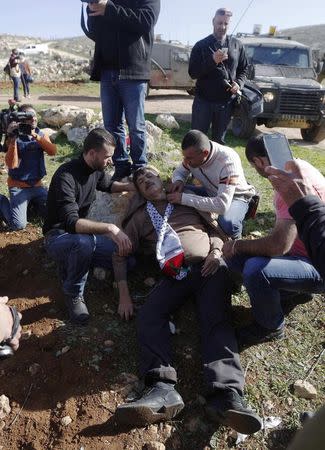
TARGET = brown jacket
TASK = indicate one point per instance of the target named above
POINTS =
(198, 231)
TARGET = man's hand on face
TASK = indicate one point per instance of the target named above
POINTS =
(174, 197)
(291, 184)
(177, 186)
(211, 264)
(6, 324)
(97, 9)
(219, 56)
(120, 239)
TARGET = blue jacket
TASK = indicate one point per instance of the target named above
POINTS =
(31, 168)
(124, 37)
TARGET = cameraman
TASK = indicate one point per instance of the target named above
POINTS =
(7, 324)
(25, 160)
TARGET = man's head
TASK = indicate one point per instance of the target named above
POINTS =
(98, 148)
(257, 155)
(221, 22)
(14, 51)
(148, 183)
(32, 121)
(196, 148)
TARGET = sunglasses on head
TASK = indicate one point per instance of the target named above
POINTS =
(223, 12)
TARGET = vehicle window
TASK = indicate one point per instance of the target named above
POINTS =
(293, 56)
(181, 56)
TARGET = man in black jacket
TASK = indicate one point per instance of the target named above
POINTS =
(218, 63)
(307, 209)
(73, 241)
(123, 31)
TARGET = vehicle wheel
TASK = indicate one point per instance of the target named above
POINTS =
(242, 125)
(314, 134)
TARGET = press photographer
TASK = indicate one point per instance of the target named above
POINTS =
(25, 145)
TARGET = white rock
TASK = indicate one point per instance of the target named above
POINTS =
(4, 406)
(65, 128)
(2, 425)
(304, 389)
(167, 121)
(153, 131)
(154, 445)
(84, 118)
(60, 115)
(256, 234)
(65, 421)
(77, 135)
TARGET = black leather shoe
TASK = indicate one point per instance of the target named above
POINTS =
(256, 334)
(228, 408)
(159, 402)
(77, 308)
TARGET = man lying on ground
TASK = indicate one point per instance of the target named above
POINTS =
(187, 245)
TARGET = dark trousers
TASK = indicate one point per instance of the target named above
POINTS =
(205, 113)
(222, 369)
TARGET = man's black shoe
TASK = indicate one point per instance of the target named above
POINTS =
(159, 402)
(77, 308)
(289, 300)
(228, 408)
(256, 334)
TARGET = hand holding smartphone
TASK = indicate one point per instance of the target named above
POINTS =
(277, 149)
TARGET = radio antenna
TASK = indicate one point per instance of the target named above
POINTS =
(241, 17)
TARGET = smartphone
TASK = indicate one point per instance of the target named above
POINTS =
(225, 50)
(278, 150)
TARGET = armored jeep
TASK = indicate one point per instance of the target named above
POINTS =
(282, 70)
(169, 66)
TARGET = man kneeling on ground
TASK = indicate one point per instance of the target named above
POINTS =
(188, 248)
(73, 241)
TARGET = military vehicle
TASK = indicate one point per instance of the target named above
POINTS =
(169, 66)
(283, 71)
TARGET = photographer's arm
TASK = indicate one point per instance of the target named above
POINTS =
(45, 143)
(11, 159)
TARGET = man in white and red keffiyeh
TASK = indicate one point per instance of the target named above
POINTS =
(187, 244)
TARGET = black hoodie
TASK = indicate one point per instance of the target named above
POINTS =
(124, 37)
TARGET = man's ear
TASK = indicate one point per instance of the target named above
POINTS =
(206, 153)
(258, 162)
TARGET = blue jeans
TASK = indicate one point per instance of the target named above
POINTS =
(16, 81)
(75, 254)
(267, 280)
(205, 113)
(124, 98)
(19, 200)
(232, 221)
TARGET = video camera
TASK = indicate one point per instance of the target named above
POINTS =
(7, 116)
